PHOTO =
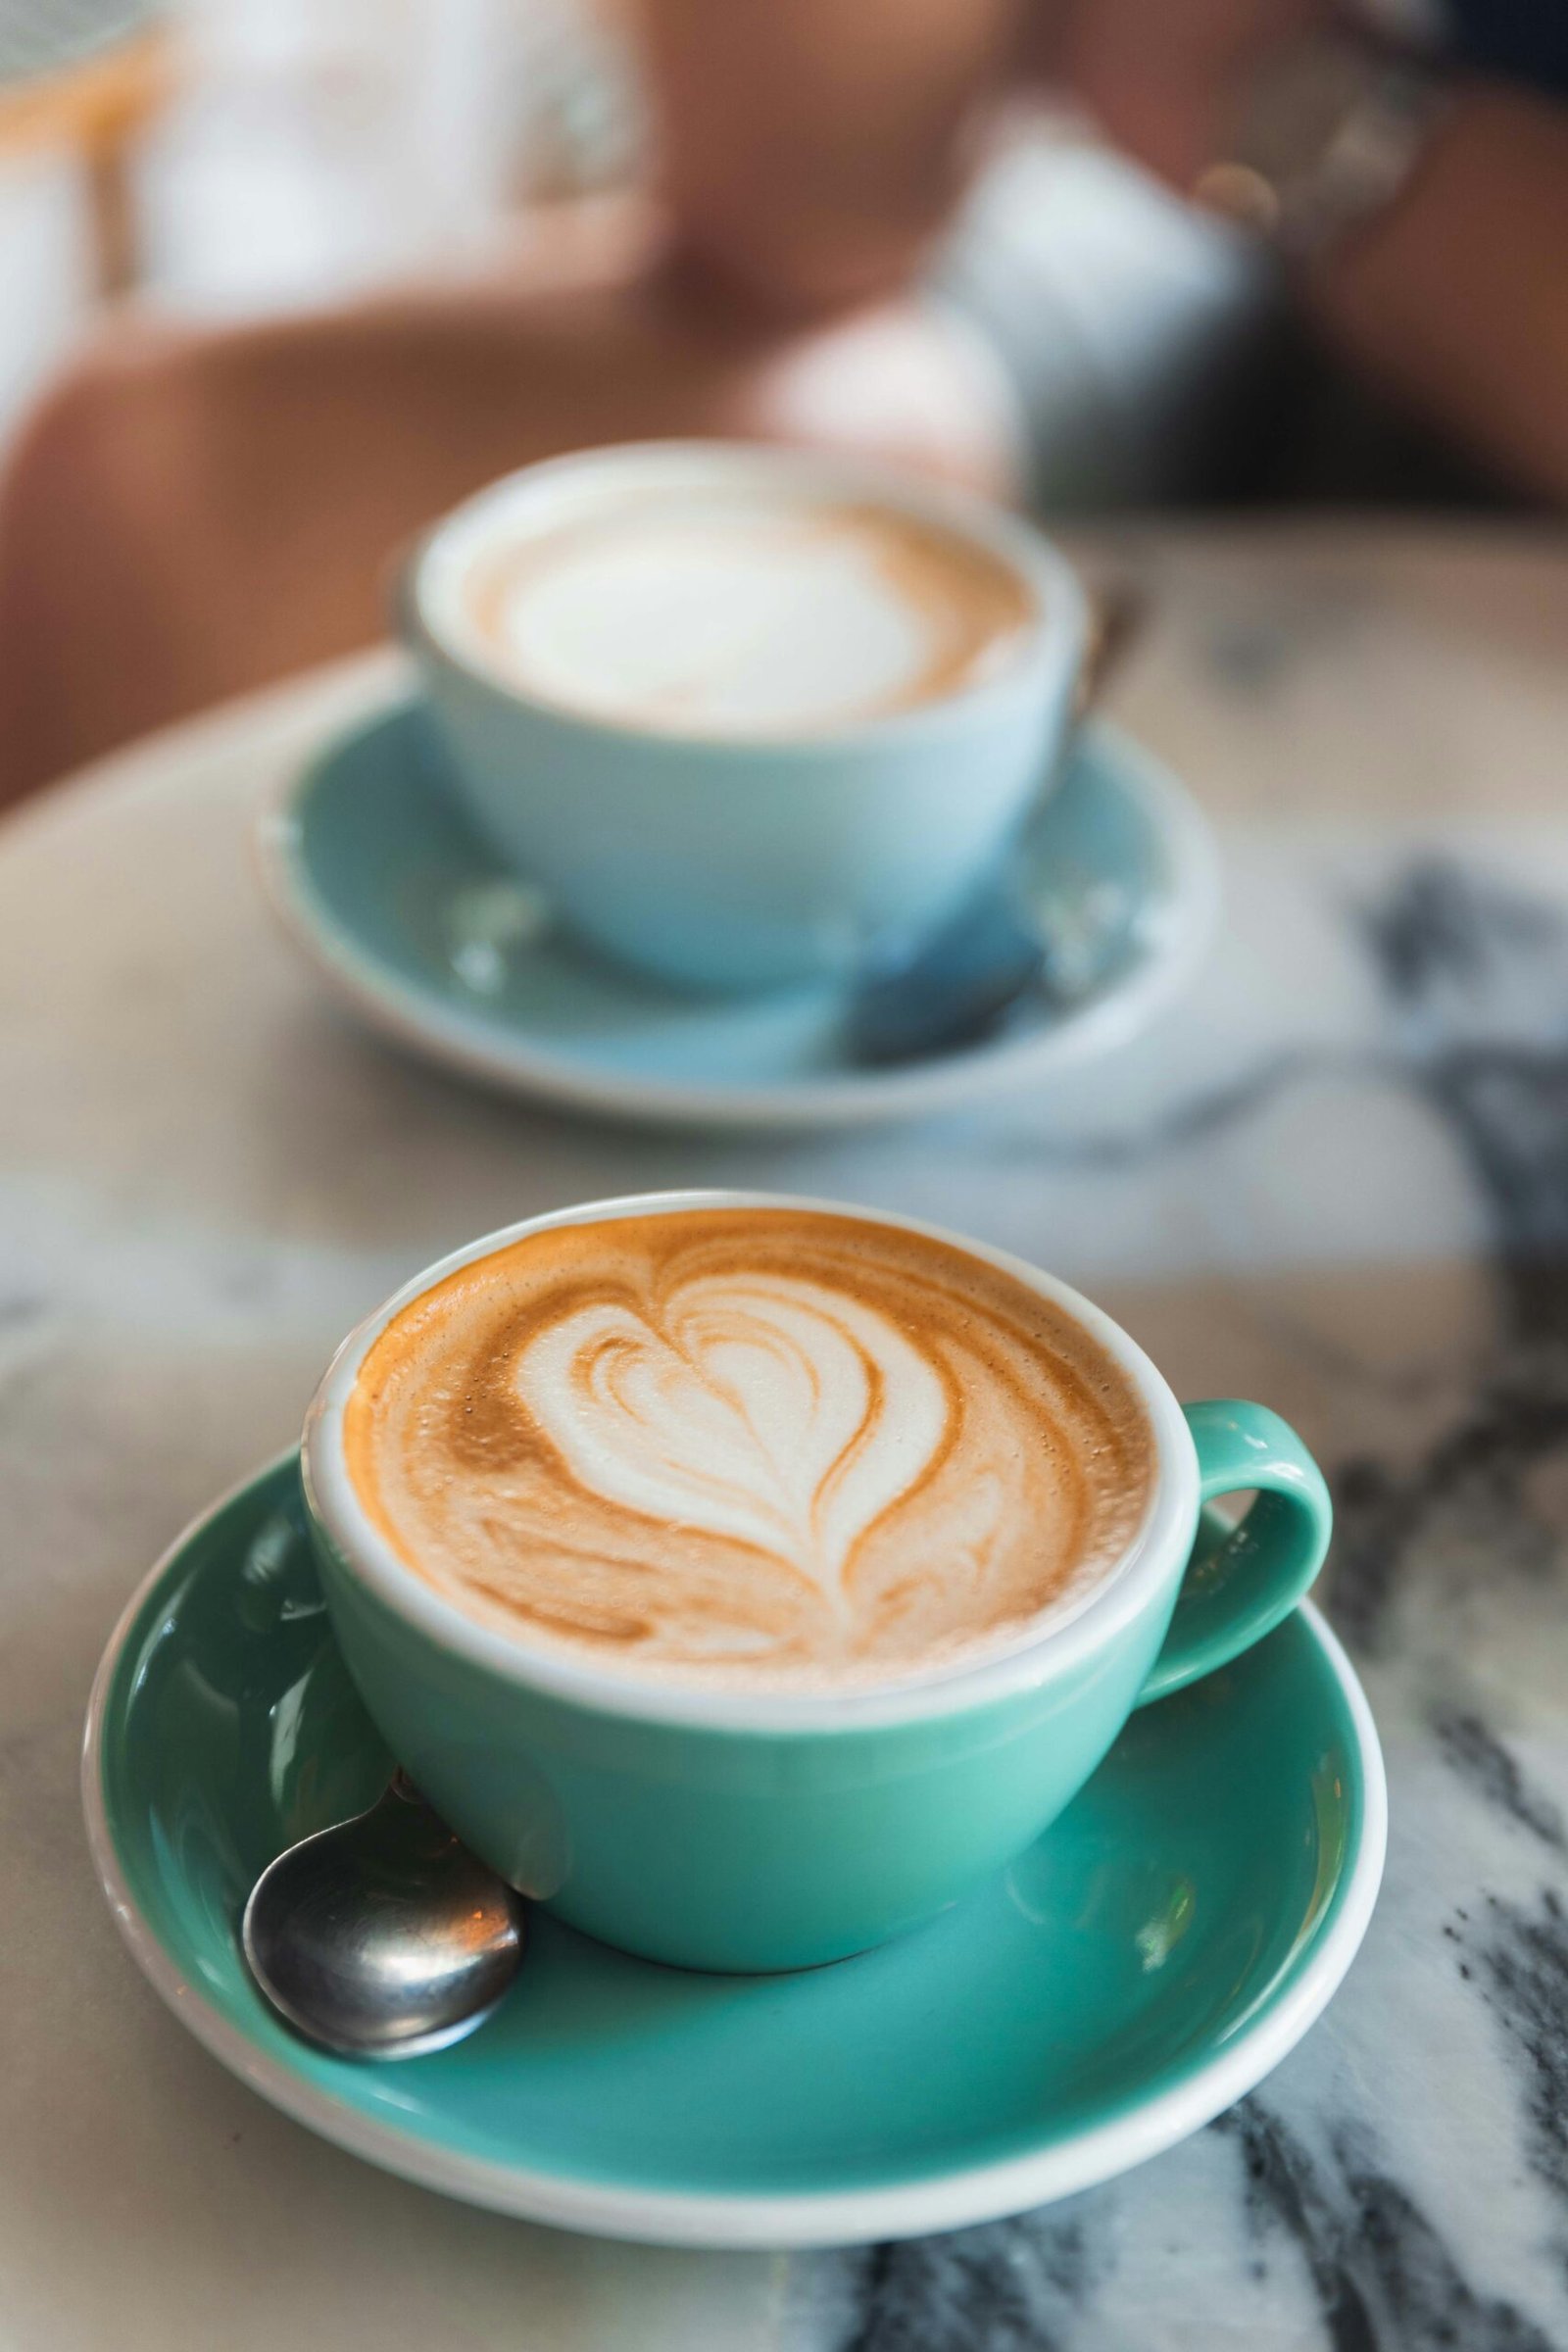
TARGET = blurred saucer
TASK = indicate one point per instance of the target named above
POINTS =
(411, 916)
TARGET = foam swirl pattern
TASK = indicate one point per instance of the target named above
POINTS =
(769, 1448)
(735, 615)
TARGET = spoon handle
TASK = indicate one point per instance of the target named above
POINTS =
(1118, 613)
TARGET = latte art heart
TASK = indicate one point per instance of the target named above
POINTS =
(771, 1448)
(772, 1410)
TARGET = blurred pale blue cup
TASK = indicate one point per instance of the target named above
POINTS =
(743, 862)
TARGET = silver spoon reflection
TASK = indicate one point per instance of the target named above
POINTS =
(383, 1937)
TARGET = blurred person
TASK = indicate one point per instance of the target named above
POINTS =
(193, 512)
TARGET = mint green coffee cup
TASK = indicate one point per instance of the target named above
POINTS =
(756, 1831)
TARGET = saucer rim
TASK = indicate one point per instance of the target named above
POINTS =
(413, 1020)
(954, 2199)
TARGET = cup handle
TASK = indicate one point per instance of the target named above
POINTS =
(1237, 1589)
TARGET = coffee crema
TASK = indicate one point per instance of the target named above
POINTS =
(760, 1447)
(735, 614)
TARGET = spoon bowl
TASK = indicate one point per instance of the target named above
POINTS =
(383, 1937)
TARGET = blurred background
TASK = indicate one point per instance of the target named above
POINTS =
(281, 279)
(220, 160)
(230, 158)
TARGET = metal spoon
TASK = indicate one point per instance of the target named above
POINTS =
(383, 1937)
(957, 989)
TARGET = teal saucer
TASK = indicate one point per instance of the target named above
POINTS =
(1133, 1974)
(409, 916)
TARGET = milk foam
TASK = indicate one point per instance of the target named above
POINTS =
(730, 615)
(771, 1411)
(772, 1447)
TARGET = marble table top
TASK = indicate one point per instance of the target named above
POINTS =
(1336, 1179)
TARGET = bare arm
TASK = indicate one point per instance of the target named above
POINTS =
(813, 148)
(192, 511)
(1457, 299)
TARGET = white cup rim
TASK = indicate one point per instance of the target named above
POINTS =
(1056, 639)
(1156, 1553)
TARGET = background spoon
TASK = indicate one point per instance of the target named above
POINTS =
(1003, 943)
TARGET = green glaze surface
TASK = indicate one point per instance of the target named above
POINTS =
(1238, 1588)
(1186, 1897)
(753, 1846)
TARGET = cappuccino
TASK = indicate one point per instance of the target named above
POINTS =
(774, 1448)
(738, 614)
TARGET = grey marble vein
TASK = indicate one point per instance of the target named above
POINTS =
(1476, 1512)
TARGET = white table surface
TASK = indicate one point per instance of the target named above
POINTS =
(1336, 1179)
